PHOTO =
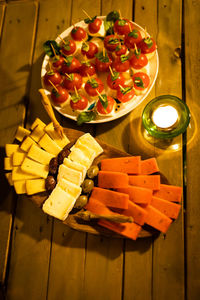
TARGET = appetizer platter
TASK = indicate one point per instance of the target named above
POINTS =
(90, 185)
(99, 69)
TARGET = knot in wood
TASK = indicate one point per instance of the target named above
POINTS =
(177, 52)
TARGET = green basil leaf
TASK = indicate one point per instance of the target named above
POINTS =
(123, 58)
(68, 60)
(74, 30)
(93, 83)
(118, 48)
(137, 53)
(126, 90)
(122, 22)
(70, 77)
(91, 106)
(75, 98)
(109, 27)
(112, 16)
(113, 41)
(101, 57)
(50, 72)
(86, 62)
(138, 82)
(85, 116)
(48, 48)
(66, 46)
(134, 33)
(85, 47)
(88, 20)
(55, 93)
(114, 76)
(104, 101)
(148, 41)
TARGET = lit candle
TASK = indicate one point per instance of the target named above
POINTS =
(165, 116)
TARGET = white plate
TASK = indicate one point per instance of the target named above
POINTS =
(152, 71)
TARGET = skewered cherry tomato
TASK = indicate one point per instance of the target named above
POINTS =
(120, 50)
(95, 26)
(123, 26)
(93, 85)
(125, 94)
(89, 49)
(78, 102)
(60, 95)
(71, 65)
(138, 60)
(111, 42)
(57, 62)
(78, 33)
(105, 107)
(69, 47)
(103, 62)
(132, 38)
(121, 63)
(73, 80)
(87, 68)
(140, 81)
(147, 45)
(114, 81)
(52, 76)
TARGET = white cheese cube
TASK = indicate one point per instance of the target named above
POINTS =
(34, 186)
(76, 166)
(89, 152)
(90, 142)
(69, 174)
(35, 168)
(70, 188)
(78, 156)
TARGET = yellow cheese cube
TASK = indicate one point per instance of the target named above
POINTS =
(37, 122)
(27, 143)
(37, 133)
(20, 186)
(34, 186)
(8, 165)
(70, 188)
(69, 174)
(11, 148)
(21, 133)
(59, 204)
(18, 158)
(55, 136)
(19, 174)
(40, 155)
(49, 145)
(9, 177)
(32, 167)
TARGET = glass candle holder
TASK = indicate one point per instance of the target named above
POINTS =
(166, 117)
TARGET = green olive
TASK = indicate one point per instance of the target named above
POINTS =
(93, 171)
(87, 185)
(81, 201)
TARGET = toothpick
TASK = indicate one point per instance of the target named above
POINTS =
(54, 51)
(89, 78)
(120, 16)
(68, 75)
(86, 14)
(145, 32)
(50, 66)
(136, 49)
(53, 85)
(62, 40)
(99, 95)
(111, 71)
(121, 87)
(129, 24)
(76, 92)
(103, 52)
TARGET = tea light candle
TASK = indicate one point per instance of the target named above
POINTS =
(165, 116)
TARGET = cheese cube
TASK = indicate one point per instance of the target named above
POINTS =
(18, 158)
(27, 143)
(8, 165)
(55, 136)
(70, 188)
(49, 145)
(21, 133)
(89, 152)
(59, 204)
(34, 186)
(78, 156)
(32, 167)
(20, 186)
(40, 155)
(69, 174)
(37, 122)
(19, 174)
(37, 133)
(76, 166)
(9, 177)
(90, 142)
(11, 148)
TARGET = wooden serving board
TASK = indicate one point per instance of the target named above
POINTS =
(72, 221)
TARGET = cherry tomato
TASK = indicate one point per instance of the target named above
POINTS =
(78, 33)
(59, 96)
(125, 94)
(69, 48)
(73, 80)
(57, 62)
(111, 42)
(105, 110)
(140, 80)
(95, 26)
(52, 76)
(89, 49)
(134, 37)
(138, 60)
(87, 69)
(121, 63)
(71, 65)
(120, 50)
(103, 62)
(122, 26)
(79, 102)
(93, 85)
(114, 81)
(147, 45)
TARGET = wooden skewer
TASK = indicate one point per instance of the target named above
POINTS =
(68, 75)
(88, 216)
(62, 40)
(121, 87)
(111, 71)
(86, 14)
(103, 52)
(120, 15)
(130, 27)
(136, 49)
(53, 85)
(48, 107)
(99, 95)
(145, 32)
(54, 51)
(76, 92)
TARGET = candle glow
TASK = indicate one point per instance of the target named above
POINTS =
(165, 116)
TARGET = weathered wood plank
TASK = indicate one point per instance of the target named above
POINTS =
(192, 72)
(168, 253)
(138, 255)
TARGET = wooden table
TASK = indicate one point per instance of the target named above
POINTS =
(40, 258)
